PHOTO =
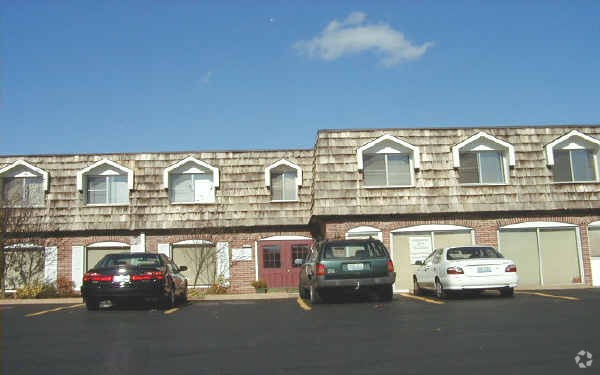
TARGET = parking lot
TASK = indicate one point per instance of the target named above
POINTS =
(534, 332)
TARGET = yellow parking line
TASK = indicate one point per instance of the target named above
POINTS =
(171, 311)
(424, 299)
(53, 310)
(550, 295)
(303, 304)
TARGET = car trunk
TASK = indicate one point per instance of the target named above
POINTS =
(355, 268)
(482, 267)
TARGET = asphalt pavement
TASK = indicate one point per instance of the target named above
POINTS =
(529, 334)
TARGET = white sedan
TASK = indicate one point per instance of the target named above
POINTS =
(465, 268)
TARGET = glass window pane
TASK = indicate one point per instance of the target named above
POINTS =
(271, 257)
(299, 252)
(203, 188)
(119, 192)
(96, 190)
(12, 190)
(468, 172)
(182, 188)
(96, 183)
(97, 197)
(276, 186)
(583, 165)
(374, 169)
(289, 186)
(34, 192)
(491, 167)
(562, 166)
(399, 169)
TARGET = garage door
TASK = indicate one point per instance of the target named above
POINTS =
(544, 256)
(201, 262)
(594, 240)
(93, 255)
(411, 246)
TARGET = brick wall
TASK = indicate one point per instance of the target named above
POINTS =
(485, 227)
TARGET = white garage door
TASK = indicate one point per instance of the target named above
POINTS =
(594, 240)
(412, 246)
(544, 256)
(201, 261)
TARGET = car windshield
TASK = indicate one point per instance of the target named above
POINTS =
(462, 253)
(352, 249)
(111, 260)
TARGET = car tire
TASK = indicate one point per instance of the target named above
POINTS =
(184, 296)
(386, 293)
(440, 292)
(302, 292)
(507, 292)
(92, 304)
(169, 299)
(417, 291)
(314, 295)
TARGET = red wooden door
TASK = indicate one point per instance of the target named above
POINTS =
(276, 259)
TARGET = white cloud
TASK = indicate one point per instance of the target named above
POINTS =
(353, 36)
(206, 77)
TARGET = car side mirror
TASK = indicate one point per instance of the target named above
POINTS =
(298, 262)
(182, 268)
(419, 263)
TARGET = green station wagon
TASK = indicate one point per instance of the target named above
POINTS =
(346, 266)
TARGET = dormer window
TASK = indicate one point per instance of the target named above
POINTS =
(283, 178)
(574, 158)
(483, 159)
(191, 181)
(23, 185)
(105, 183)
(388, 162)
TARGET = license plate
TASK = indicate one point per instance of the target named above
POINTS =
(355, 267)
(120, 278)
(484, 269)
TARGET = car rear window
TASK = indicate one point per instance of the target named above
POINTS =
(340, 250)
(150, 260)
(462, 253)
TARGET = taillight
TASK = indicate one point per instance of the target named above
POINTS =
(93, 276)
(321, 270)
(511, 268)
(454, 271)
(148, 276)
(390, 266)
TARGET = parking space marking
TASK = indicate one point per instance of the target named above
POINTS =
(424, 299)
(303, 304)
(171, 311)
(550, 295)
(53, 310)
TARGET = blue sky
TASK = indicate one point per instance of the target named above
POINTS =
(132, 76)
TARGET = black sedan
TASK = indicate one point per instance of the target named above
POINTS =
(121, 277)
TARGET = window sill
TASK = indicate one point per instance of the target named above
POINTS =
(190, 203)
(389, 187)
(107, 205)
(574, 182)
(285, 201)
(23, 206)
(478, 185)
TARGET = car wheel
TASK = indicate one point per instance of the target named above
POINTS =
(386, 293)
(314, 295)
(92, 304)
(417, 291)
(508, 292)
(169, 301)
(440, 292)
(184, 296)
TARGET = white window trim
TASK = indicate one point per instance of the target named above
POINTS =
(192, 242)
(280, 163)
(538, 224)
(86, 171)
(503, 146)
(167, 171)
(572, 134)
(108, 244)
(432, 228)
(365, 230)
(35, 170)
(594, 224)
(414, 154)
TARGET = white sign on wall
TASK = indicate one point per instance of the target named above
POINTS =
(241, 254)
(420, 248)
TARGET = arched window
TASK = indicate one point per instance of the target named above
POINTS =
(191, 181)
(483, 159)
(105, 183)
(574, 157)
(283, 178)
(23, 185)
(388, 162)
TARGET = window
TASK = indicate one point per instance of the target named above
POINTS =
(283, 186)
(191, 181)
(388, 161)
(105, 182)
(22, 184)
(107, 189)
(24, 266)
(387, 170)
(574, 158)
(272, 257)
(483, 159)
(485, 167)
(284, 178)
(299, 252)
